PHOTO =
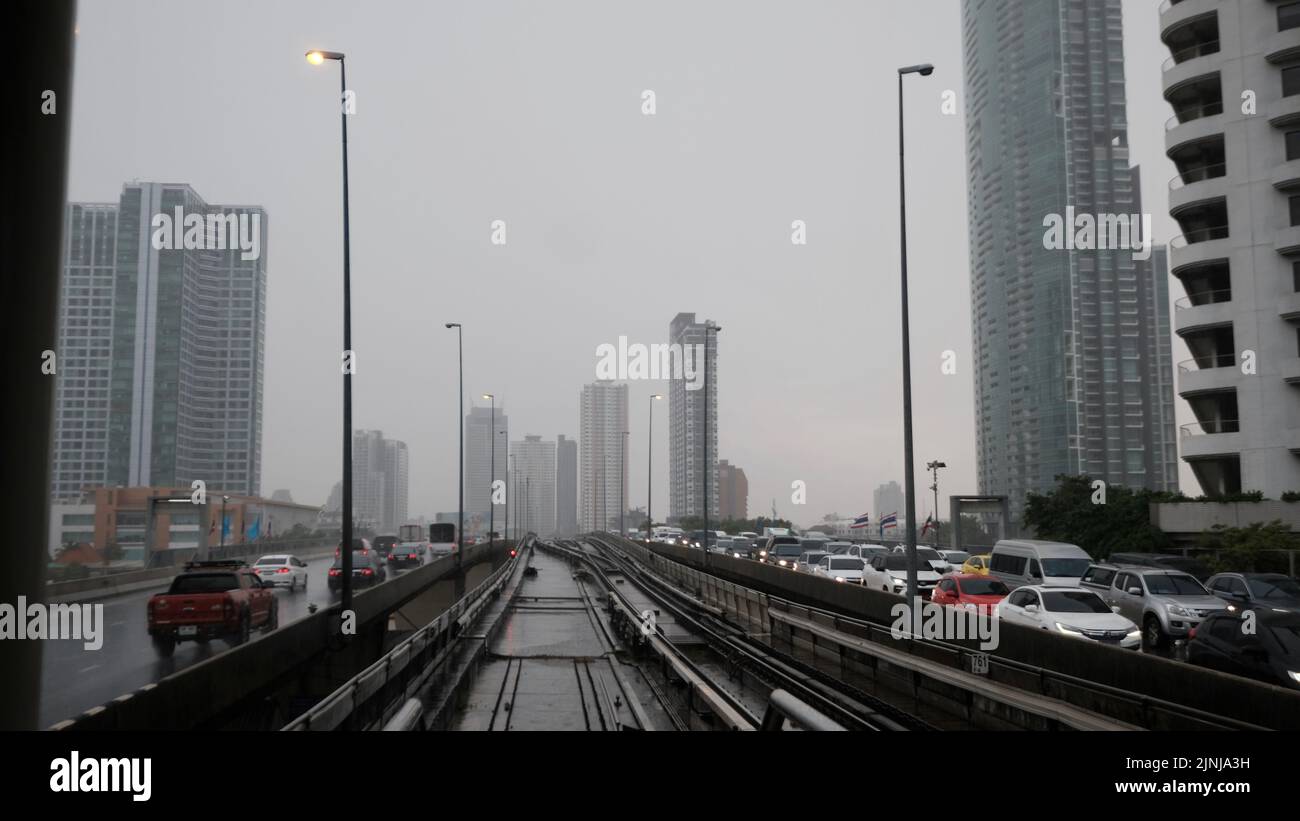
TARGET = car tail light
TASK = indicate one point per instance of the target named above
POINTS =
(367, 572)
(283, 570)
(1191, 634)
(412, 556)
(334, 571)
(513, 553)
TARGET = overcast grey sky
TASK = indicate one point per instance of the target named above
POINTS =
(530, 112)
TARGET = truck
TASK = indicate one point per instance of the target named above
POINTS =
(211, 600)
(410, 533)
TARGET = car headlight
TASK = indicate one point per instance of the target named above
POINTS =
(1133, 635)
(737, 555)
(839, 578)
(782, 562)
(1178, 610)
(1069, 631)
(1295, 675)
(762, 554)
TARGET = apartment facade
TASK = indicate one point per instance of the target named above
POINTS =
(1070, 361)
(733, 492)
(566, 486)
(479, 470)
(534, 480)
(1233, 83)
(693, 407)
(380, 481)
(161, 343)
(602, 471)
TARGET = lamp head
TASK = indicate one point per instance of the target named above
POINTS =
(316, 56)
(924, 69)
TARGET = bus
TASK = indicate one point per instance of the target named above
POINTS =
(442, 538)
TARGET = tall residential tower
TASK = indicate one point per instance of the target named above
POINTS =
(1071, 362)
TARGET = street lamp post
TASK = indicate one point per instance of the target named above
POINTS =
(709, 326)
(622, 483)
(909, 502)
(527, 513)
(650, 467)
(934, 469)
(492, 472)
(345, 551)
(460, 424)
(509, 475)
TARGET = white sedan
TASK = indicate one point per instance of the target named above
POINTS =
(282, 570)
(840, 568)
(1069, 611)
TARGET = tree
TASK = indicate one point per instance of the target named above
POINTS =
(1100, 519)
(1257, 547)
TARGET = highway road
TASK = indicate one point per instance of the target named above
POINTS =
(74, 679)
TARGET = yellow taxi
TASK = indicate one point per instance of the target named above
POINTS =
(979, 565)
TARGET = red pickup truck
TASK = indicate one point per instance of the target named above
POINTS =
(217, 599)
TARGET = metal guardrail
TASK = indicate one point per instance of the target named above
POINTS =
(357, 692)
(782, 707)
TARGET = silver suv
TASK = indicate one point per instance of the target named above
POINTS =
(1165, 603)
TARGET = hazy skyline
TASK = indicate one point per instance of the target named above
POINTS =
(616, 221)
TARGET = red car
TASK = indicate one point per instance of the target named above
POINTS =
(970, 591)
(211, 599)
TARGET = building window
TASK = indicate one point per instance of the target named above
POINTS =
(1293, 144)
(1295, 210)
(1291, 81)
(1288, 16)
(1295, 276)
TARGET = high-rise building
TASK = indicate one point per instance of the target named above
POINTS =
(380, 490)
(1237, 199)
(162, 318)
(566, 486)
(479, 472)
(733, 492)
(687, 416)
(886, 499)
(534, 478)
(602, 486)
(1069, 356)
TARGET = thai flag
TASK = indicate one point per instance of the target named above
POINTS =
(929, 524)
(862, 521)
(889, 521)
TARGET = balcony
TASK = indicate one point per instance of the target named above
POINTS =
(1289, 307)
(1215, 373)
(1203, 298)
(1194, 62)
(1197, 184)
(1287, 241)
(1208, 440)
(1174, 13)
(1282, 46)
(1291, 372)
(1282, 112)
(1197, 318)
(1286, 176)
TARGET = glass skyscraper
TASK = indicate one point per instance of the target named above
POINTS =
(1071, 346)
(161, 349)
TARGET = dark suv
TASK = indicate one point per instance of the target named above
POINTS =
(385, 544)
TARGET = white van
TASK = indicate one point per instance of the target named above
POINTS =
(1019, 562)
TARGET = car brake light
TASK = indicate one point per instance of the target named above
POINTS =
(367, 572)
(411, 556)
(334, 571)
(1191, 634)
(283, 570)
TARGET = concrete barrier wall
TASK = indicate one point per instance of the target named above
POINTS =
(308, 654)
(1139, 673)
(116, 584)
